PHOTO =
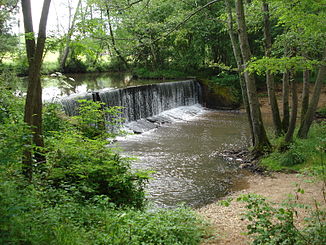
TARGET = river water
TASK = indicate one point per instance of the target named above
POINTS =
(184, 156)
(57, 86)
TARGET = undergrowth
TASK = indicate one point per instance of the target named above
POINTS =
(300, 154)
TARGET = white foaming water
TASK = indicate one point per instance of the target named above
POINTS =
(183, 113)
(146, 126)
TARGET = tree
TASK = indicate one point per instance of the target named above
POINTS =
(66, 49)
(33, 105)
(261, 141)
(8, 9)
(308, 117)
(302, 31)
(270, 77)
(238, 58)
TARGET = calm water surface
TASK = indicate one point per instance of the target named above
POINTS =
(54, 87)
(184, 158)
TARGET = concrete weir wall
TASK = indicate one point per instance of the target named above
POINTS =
(142, 101)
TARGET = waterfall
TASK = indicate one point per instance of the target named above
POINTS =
(142, 101)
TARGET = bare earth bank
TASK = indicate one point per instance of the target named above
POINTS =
(228, 224)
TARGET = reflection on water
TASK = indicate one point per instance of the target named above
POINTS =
(184, 156)
(54, 87)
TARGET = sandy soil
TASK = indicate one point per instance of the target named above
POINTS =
(265, 108)
(228, 225)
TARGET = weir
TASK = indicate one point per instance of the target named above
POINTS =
(142, 101)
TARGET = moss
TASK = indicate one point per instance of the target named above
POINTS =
(219, 96)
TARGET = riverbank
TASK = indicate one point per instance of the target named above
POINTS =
(228, 225)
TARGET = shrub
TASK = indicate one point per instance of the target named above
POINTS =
(275, 225)
(321, 112)
(145, 73)
(53, 119)
(94, 119)
(301, 153)
(75, 66)
(26, 218)
(13, 131)
(231, 81)
(87, 168)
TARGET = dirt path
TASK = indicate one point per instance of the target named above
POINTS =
(228, 225)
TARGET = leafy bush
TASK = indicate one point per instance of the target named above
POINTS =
(13, 131)
(26, 218)
(75, 66)
(301, 153)
(145, 73)
(231, 81)
(87, 168)
(94, 119)
(179, 226)
(321, 111)
(53, 119)
(275, 225)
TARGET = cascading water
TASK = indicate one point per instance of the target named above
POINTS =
(142, 101)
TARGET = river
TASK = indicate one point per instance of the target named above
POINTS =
(184, 156)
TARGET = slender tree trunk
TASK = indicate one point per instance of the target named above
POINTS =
(261, 141)
(269, 77)
(66, 50)
(33, 105)
(237, 56)
(113, 39)
(307, 121)
(294, 109)
(285, 101)
(305, 94)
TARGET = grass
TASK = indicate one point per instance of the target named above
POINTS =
(301, 154)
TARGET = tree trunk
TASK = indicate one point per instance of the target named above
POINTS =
(113, 40)
(237, 56)
(66, 50)
(294, 109)
(305, 94)
(33, 105)
(285, 101)
(261, 141)
(307, 121)
(269, 77)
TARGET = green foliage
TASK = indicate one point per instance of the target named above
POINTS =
(26, 218)
(75, 65)
(321, 111)
(95, 119)
(87, 168)
(144, 73)
(231, 81)
(280, 65)
(53, 119)
(13, 131)
(269, 225)
(276, 225)
(302, 153)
